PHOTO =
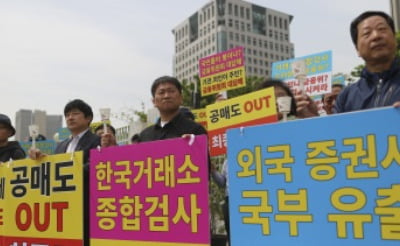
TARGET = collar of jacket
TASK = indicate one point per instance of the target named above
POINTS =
(385, 75)
(172, 121)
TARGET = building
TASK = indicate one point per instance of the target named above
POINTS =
(48, 124)
(395, 11)
(54, 122)
(23, 118)
(224, 24)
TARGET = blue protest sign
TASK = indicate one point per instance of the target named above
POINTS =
(328, 181)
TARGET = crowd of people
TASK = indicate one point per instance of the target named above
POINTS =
(373, 35)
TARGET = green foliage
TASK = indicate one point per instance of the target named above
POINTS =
(356, 72)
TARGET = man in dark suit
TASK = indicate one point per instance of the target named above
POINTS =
(78, 116)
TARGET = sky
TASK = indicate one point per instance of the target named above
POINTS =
(108, 52)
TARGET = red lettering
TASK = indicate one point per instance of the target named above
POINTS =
(248, 107)
(24, 215)
(23, 225)
(257, 104)
(59, 207)
(46, 214)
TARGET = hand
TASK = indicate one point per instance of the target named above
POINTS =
(306, 107)
(396, 104)
(35, 154)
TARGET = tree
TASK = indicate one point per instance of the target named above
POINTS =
(356, 72)
(128, 115)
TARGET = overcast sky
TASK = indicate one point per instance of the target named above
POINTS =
(108, 52)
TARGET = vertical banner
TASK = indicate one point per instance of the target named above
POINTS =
(41, 201)
(297, 183)
(318, 72)
(254, 108)
(223, 71)
(153, 193)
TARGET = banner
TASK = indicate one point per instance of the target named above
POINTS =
(318, 73)
(45, 146)
(254, 108)
(200, 116)
(223, 71)
(140, 196)
(303, 183)
(41, 201)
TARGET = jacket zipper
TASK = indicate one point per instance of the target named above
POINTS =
(387, 96)
(378, 93)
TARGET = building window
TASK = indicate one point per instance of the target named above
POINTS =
(229, 9)
(248, 27)
(241, 12)
(236, 10)
(248, 13)
(230, 22)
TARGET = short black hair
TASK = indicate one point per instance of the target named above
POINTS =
(365, 15)
(135, 138)
(274, 82)
(165, 79)
(101, 126)
(81, 106)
